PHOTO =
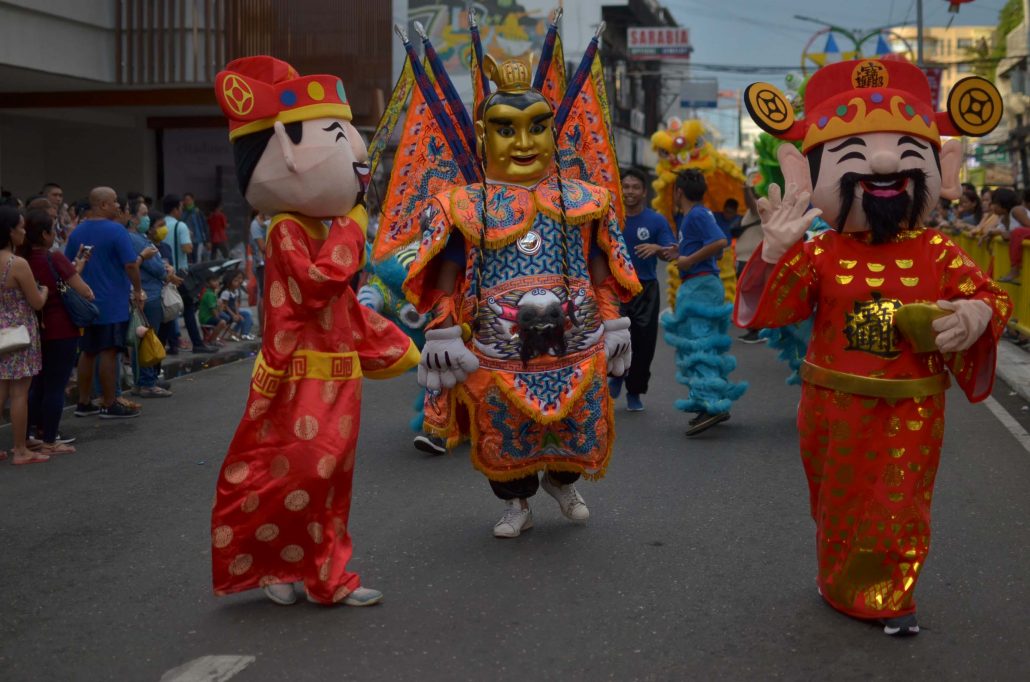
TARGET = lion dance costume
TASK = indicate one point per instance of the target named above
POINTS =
(871, 417)
(536, 327)
(684, 145)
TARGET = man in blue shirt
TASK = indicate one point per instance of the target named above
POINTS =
(179, 239)
(729, 220)
(111, 272)
(200, 233)
(648, 236)
(698, 325)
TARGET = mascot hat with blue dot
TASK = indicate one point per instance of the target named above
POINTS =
(255, 92)
(875, 95)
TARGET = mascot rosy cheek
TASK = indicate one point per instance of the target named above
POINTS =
(299, 158)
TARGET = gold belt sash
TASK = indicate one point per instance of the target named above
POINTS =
(305, 364)
(873, 387)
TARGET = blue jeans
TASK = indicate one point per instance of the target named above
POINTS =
(46, 394)
(242, 327)
(154, 313)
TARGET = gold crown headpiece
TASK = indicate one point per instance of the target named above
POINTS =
(511, 75)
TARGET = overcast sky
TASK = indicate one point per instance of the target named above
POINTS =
(765, 32)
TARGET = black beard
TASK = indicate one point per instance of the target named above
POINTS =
(886, 216)
(541, 330)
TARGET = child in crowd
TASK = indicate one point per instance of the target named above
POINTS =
(210, 310)
(238, 318)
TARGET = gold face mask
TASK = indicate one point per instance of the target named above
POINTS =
(518, 144)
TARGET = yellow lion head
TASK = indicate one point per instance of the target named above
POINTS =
(683, 144)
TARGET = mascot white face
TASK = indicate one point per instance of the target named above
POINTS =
(879, 182)
(320, 172)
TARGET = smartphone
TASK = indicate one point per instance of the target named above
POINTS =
(87, 249)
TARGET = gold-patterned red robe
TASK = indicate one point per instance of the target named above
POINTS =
(553, 413)
(871, 417)
(284, 491)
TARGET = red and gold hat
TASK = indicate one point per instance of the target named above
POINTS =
(255, 92)
(874, 96)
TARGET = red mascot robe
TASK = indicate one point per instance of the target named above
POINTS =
(871, 418)
(284, 490)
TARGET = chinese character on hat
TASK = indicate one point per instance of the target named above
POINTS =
(255, 92)
(874, 95)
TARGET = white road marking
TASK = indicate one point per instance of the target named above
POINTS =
(1009, 422)
(208, 669)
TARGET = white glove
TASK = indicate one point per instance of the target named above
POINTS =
(784, 221)
(617, 345)
(445, 360)
(960, 330)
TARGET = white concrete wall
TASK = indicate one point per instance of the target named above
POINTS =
(77, 152)
(66, 37)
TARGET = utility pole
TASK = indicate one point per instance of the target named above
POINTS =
(919, 33)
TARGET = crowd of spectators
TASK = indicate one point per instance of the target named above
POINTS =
(133, 262)
(994, 212)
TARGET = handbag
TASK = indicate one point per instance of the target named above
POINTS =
(151, 350)
(81, 311)
(172, 304)
(13, 339)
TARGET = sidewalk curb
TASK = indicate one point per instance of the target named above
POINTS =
(188, 362)
(1014, 368)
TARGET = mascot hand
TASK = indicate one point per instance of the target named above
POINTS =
(784, 221)
(445, 360)
(960, 330)
(617, 345)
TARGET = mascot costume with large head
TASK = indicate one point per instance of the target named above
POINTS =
(284, 491)
(899, 309)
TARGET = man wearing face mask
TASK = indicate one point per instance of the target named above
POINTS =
(897, 307)
(530, 269)
(284, 491)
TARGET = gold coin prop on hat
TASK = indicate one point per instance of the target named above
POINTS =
(769, 108)
(974, 106)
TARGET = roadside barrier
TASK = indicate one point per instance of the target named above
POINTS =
(993, 258)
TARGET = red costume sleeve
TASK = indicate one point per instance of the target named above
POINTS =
(777, 295)
(959, 277)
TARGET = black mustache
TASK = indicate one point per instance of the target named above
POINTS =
(885, 215)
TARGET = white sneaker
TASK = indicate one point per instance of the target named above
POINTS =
(569, 499)
(514, 521)
(363, 596)
(281, 593)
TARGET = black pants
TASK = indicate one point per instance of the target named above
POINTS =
(219, 248)
(189, 316)
(46, 394)
(642, 312)
(525, 487)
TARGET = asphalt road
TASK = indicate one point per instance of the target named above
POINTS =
(698, 561)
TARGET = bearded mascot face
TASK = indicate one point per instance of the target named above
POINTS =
(878, 182)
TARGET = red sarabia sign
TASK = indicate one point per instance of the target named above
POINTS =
(658, 42)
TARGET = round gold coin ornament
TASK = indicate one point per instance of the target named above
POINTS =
(974, 106)
(769, 108)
